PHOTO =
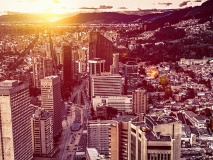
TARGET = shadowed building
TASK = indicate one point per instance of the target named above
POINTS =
(67, 64)
(101, 47)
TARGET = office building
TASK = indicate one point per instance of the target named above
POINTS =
(98, 136)
(139, 98)
(47, 67)
(67, 64)
(118, 134)
(106, 85)
(38, 72)
(51, 100)
(96, 66)
(101, 47)
(42, 133)
(15, 114)
(122, 103)
(116, 63)
(157, 138)
(131, 77)
(131, 69)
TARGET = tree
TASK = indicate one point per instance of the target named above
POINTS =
(172, 114)
(111, 112)
(190, 93)
(92, 112)
(168, 92)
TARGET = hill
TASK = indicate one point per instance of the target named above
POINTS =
(101, 17)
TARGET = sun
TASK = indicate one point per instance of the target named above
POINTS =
(51, 10)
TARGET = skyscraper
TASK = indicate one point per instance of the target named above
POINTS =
(67, 64)
(101, 47)
(51, 100)
(15, 114)
(42, 133)
(139, 98)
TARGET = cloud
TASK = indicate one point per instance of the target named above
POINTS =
(56, 1)
(100, 7)
(105, 7)
(165, 4)
(122, 8)
(184, 3)
(88, 8)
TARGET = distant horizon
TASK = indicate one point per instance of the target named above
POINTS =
(73, 6)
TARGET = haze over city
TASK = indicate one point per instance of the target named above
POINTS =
(106, 80)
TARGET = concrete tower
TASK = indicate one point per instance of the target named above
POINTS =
(15, 114)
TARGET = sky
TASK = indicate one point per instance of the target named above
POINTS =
(67, 6)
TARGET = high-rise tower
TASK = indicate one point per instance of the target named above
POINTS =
(101, 47)
(51, 100)
(15, 114)
(67, 64)
(42, 133)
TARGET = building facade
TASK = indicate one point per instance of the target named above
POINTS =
(51, 100)
(15, 114)
(98, 136)
(119, 137)
(156, 138)
(101, 47)
(106, 85)
(122, 103)
(139, 98)
(42, 133)
(67, 64)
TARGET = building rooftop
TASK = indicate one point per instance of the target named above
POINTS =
(8, 83)
(93, 154)
(50, 77)
(152, 137)
(157, 120)
(125, 118)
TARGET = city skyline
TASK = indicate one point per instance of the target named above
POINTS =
(69, 6)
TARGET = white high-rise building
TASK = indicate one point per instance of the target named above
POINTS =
(15, 114)
(51, 100)
(106, 85)
(116, 62)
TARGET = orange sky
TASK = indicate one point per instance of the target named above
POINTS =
(66, 6)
